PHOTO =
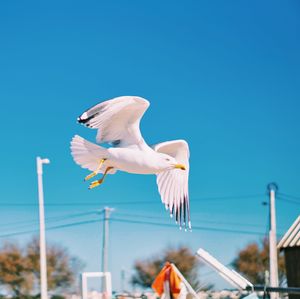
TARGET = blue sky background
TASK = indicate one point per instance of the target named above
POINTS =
(225, 76)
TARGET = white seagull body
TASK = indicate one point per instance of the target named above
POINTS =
(118, 121)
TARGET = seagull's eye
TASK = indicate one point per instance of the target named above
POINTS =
(167, 159)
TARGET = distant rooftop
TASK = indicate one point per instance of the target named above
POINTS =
(292, 236)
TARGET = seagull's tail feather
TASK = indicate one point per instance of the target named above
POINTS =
(88, 155)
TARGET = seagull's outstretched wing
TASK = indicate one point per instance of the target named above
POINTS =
(117, 120)
(173, 184)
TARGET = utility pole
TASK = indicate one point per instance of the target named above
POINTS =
(107, 212)
(123, 280)
(272, 188)
(43, 261)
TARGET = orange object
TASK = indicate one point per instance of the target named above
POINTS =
(169, 275)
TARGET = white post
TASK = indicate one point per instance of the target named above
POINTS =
(43, 263)
(272, 187)
(84, 283)
(84, 290)
(107, 212)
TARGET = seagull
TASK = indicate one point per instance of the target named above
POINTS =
(117, 122)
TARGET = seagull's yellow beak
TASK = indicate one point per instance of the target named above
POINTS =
(180, 166)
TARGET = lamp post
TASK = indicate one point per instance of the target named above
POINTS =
(272, 188)
(43, 262)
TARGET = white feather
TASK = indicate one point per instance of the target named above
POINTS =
(174, 185)
(88, 155)
(117, 119)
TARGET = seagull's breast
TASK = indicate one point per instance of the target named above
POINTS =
(135, 160)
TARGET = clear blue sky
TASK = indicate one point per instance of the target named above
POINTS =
(225, 76)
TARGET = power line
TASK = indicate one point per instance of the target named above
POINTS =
(201, 220)
(289, 200)
(74, 224)
(193, 200)
(133, 222)
(70, 216)
(194, 227)
(75, 204)
(233, 197)
(290, 196)
(50, 228)
(14, 225)
(76, 215)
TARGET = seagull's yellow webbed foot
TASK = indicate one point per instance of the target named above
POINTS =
(99, 182)
(95, 183)
(96, 171)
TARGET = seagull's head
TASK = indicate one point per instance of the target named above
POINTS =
(169, 162)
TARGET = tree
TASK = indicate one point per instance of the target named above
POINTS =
(61, 268)
(253, 261)
(183, 258)
(14, 270)
(20, 268)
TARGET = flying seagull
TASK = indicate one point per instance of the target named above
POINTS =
(117, 122)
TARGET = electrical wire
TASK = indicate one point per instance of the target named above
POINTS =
(75, 204)
(193, 200)
(115, 219)
(194, 227)
(289, 196)
(72, 215)
(51, 228)
(233, 197)
(15, 225)
(280, 196)
(288, 200)
(201, 220)
(76, 215)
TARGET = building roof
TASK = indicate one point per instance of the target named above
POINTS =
(292, 236)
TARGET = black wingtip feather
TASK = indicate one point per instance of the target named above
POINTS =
(177, 215)
(180, 214)
(184, 212)
(85, 121)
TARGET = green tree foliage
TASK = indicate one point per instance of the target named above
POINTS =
(20, 268)
(253, 261)
(183, 258)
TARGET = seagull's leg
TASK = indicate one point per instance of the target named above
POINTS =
(96, 171)
(99, 182)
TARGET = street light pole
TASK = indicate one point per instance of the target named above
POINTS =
(43, 263)
(272, 187)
